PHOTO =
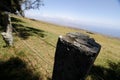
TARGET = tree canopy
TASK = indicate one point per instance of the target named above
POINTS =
(14, 6)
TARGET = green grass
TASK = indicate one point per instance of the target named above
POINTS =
(35, 44)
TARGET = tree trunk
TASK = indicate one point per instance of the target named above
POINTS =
(7, 34)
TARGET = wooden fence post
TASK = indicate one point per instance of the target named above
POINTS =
(74, 56)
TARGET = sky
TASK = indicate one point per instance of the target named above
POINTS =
(95, 14)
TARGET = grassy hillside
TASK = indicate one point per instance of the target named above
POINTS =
(34, 48)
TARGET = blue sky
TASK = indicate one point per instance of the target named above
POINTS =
(99, 13)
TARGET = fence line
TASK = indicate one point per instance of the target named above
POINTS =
(36, 53)
(33, 50)
(46, 43)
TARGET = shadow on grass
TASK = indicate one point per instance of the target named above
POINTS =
(13, 19)
(25, 31)
(3, 22)
(101, 73)
(16, 69)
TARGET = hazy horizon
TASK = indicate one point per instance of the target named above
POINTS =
(92, 28)
(101, 16)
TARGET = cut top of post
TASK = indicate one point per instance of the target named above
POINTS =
(83, 42)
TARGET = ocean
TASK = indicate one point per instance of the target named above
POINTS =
(103, 30)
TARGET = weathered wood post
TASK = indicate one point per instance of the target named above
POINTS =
(74, 57)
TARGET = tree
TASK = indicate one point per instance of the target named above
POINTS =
(15, 7)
